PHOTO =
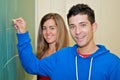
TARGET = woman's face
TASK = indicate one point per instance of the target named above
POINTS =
(49, 30)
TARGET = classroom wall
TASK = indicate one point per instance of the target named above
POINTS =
(110, 25)
(107, 16)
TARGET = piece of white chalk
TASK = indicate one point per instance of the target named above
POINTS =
(13, 20)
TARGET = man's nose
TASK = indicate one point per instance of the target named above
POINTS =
(78, 30)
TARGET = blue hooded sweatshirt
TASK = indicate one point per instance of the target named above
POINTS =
(66, 64)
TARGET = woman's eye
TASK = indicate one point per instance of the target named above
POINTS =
(52, 28)
(43, 28)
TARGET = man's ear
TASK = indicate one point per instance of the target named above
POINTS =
(94, 26)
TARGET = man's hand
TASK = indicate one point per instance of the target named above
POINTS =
(20, 25)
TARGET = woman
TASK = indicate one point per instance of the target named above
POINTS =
(52, 36)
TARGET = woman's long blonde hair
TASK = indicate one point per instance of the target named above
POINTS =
(62, 39)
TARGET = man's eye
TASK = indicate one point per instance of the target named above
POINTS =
(71, 27)
(82, 25)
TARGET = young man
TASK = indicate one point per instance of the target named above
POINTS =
(83, 61)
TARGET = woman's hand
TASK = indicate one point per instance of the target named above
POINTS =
(20, 25)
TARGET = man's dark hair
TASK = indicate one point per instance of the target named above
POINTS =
(82, 9)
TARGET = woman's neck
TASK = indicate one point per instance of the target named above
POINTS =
(50, 50)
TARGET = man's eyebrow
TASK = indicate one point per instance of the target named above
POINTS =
(82, 22)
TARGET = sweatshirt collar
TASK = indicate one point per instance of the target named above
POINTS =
(101, 50)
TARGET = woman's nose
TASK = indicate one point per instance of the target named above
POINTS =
(47, 31)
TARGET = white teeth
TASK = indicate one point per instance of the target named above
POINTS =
(48, 36)
(80, 37)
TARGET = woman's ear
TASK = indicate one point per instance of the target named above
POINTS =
(94, 26)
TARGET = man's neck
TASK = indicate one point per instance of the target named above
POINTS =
(87, 49)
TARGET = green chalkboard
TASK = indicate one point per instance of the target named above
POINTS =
(10, 67)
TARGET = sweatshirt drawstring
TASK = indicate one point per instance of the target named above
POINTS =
(90, 69)
(76, 68)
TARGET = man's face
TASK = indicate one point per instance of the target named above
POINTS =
(81, 30)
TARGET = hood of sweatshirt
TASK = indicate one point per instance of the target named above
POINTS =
(101, 51)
